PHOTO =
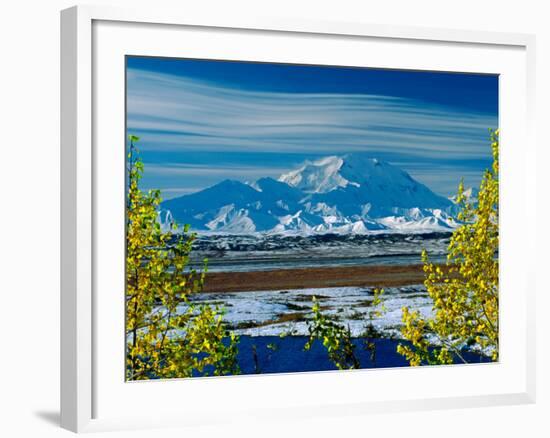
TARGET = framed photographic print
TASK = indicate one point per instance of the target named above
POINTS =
(261, 208)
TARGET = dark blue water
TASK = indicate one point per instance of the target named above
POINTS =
(286, 355)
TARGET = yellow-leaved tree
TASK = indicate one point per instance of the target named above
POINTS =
(337, 339)
(167, 335)
(465, 290)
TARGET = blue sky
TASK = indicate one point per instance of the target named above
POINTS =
(200, 122)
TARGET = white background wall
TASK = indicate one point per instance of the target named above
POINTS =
(29, 218)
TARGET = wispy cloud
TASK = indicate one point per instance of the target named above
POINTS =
(238, 172)
(175, 113)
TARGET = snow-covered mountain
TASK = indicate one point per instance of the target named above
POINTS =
(470, 194)
(338, 194)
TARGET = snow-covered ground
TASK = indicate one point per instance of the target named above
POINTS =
(272, 313)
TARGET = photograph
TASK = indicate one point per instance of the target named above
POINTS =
(285, 218)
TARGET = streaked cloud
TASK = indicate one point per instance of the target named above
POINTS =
(175, 113)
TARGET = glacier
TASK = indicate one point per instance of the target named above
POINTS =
(348, 194)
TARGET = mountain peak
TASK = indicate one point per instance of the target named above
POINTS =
(470, 194)
(319, 176)
(333, 172)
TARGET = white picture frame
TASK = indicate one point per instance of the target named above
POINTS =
(89, 398)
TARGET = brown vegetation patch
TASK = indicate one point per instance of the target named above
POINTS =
(309, 278)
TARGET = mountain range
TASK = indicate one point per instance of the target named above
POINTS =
(351, 193)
